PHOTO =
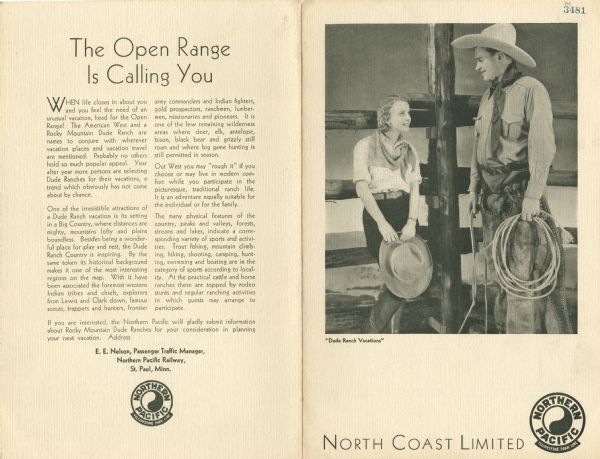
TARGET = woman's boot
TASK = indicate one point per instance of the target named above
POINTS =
(384, 308)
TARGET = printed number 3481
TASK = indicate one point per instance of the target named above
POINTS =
(567, 8)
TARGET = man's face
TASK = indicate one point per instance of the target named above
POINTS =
(488, 65)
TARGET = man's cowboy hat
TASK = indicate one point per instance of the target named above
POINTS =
(501, 37)
(406, 266)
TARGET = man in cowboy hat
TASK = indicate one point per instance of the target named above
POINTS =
(514, 148)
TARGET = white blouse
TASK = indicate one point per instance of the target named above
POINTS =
(382, 179)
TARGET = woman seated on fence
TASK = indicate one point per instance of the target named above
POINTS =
(387, 178)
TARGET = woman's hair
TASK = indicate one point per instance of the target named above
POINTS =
(383, 111)
(383, 123)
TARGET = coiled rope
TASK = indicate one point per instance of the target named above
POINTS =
(540, 287)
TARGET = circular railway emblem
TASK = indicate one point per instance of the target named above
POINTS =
(151, 402)
(557, 421)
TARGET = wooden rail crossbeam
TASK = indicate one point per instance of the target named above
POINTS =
(354, 256)
(345, 189)
(348, 313)
(422, 111)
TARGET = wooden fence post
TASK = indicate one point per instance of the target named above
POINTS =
(433, 220)
(441, 63)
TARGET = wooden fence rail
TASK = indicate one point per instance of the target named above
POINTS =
(422, 112)
(345, 189)
(353, 256)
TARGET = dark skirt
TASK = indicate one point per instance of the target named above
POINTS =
(395, 212)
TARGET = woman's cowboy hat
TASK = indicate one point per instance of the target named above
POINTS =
(501, 37)
(406, 266)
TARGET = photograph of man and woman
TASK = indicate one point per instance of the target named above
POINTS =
(451, 167)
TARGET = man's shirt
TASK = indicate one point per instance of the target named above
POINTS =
(527, 136)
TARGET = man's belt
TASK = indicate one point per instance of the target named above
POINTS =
(505, 169)
(389, 195)
(503, 200)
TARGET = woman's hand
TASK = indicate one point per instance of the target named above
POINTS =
(387, 231)
(409, 230)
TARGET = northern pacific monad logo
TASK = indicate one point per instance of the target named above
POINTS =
(152, 402)
(557, 421)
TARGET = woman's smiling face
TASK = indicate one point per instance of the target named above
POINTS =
(399, 116)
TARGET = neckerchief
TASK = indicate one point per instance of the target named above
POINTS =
(511, 74)
(398, 158)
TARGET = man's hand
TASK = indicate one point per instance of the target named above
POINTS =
(409, 230)
(531, 207)
(473, 205)
(387, 232)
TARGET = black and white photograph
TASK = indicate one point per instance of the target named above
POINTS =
(451, 178)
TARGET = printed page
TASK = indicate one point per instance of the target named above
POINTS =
(422, 336)
(150, 229)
